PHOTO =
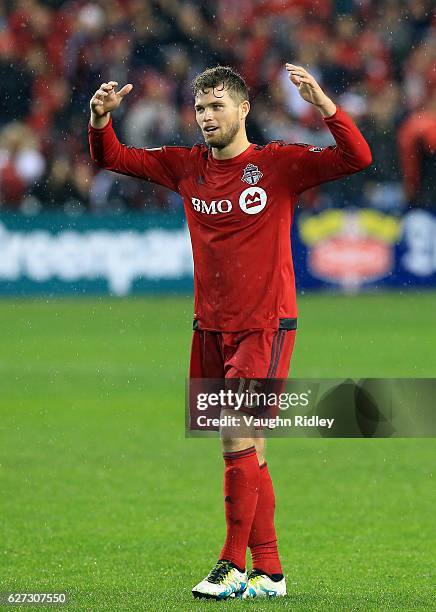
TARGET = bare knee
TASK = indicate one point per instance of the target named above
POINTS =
(260, 445)
(233, 445)
(236, 434)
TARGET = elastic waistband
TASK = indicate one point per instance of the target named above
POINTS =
(286, 324)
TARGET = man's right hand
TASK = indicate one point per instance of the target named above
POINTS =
(106, 99)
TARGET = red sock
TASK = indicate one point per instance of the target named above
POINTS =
(263, 539)
(241, 486)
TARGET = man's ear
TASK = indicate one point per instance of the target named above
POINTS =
(244, 109)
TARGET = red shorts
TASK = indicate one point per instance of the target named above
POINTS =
(258, 353)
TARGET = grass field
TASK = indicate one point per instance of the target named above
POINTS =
(103, 497)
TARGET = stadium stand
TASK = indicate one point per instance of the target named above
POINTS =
(375, 58)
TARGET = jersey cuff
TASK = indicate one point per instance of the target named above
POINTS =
(108, 124)
(338, 109)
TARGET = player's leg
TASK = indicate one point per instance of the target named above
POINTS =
(241, 486)
(266, 577)
(246, 355)
(225, 578)
(260, 444)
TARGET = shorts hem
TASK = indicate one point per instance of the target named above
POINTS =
(285, 323)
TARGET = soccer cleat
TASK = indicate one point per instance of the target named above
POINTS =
(261, 585)
(224, 580)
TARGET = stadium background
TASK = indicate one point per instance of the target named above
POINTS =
(103, 495)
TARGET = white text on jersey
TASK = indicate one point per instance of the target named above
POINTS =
(215, 207)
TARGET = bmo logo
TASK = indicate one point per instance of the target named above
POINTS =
(253, 200)
(215, 207)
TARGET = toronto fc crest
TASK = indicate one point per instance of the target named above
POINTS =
(251, 174)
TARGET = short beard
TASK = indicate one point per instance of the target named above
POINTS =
(228, 138)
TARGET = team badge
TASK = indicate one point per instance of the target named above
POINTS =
(252, 200)
(251, 174)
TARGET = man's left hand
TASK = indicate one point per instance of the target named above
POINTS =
(309, 90)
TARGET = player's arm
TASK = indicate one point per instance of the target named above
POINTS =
(163, 165)
(314, 165)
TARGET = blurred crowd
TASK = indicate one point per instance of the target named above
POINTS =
(376, 58)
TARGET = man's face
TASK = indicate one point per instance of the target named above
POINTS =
(217, 114)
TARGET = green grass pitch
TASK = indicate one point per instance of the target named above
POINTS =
(104, 497)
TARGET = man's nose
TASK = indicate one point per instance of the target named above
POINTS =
(208, 114)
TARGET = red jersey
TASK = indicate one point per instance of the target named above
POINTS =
(239, 214)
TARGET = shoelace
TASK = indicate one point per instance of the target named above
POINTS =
(219, 572)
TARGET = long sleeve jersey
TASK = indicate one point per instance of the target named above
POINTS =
(239, 213)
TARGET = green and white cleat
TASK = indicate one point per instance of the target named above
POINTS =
(224, 580)
(261, 585)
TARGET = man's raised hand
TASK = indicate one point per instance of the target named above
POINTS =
(309, 89)
(106, 99)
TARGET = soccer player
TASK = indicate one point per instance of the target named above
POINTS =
(239, 199)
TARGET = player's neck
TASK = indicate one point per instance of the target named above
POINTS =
(238, 146)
